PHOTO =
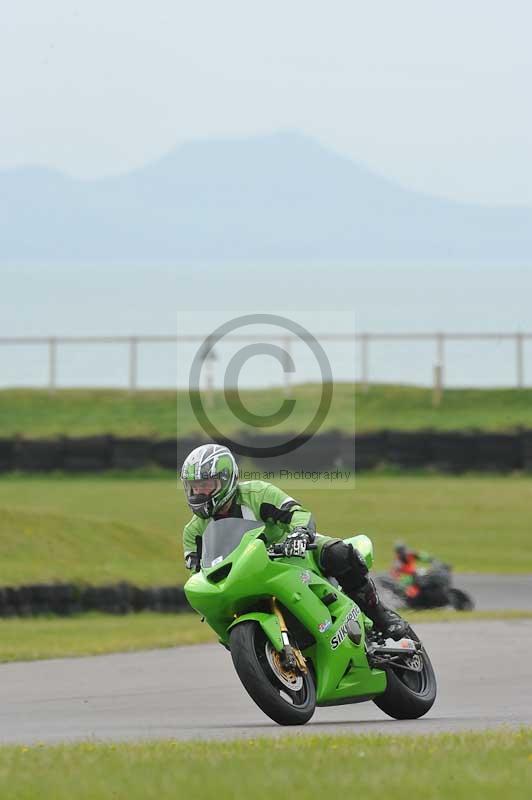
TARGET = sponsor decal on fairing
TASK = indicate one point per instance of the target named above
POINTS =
(341, 633)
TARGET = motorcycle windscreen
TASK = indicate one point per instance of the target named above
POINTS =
(222, 536)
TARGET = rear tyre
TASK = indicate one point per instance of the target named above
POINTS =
(286, 702)
(409, 695)
(460, 600)
(390, 595)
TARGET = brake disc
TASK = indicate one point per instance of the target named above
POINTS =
(414, 663)
(288, 677)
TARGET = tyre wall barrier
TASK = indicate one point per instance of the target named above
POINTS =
(7, 455)
(39, 455)
(454, 452)
(526, 440)
(447, 451)
(88, 454)
(130, 453)
(65, 599)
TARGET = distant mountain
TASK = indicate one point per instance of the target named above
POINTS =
(276, 197)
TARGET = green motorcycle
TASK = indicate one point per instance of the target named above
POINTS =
(296, 640)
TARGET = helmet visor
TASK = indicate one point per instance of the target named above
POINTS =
(202, 488)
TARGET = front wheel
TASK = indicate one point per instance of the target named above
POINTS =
(287, 697)
(409, 694)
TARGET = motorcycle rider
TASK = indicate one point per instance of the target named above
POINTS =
(406, 562)
(213, 491)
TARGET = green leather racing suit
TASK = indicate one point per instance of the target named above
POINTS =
(261, 501)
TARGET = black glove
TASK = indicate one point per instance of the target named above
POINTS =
(302, 530)
(192, 562)
(296, 542)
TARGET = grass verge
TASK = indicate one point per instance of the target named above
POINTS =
(38, 546)
(93, 634)
(96, 634)
(103, 529)
(463, 766)
(85, 412)
(449, 615)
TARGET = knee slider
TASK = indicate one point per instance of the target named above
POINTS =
(334, 557)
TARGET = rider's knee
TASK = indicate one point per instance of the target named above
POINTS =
(343, 562)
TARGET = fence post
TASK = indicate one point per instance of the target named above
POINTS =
(437, 390)
(133, 363)
(440, 355)
(365, 362)
(52, 363)
(438, 371)
(208, 358)
(519, 360)
(286, 371)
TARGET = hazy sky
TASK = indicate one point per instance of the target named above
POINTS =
(435, 94)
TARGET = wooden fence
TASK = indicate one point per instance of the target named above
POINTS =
(52, 344)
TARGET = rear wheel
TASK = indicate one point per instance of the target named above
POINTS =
(460, 600)
(409, 694)
(287, 697)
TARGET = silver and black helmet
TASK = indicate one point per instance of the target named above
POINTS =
(210, 479)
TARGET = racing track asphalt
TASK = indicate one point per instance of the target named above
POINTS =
(483, 672)
(496, 592)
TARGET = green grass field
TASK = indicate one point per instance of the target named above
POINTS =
(101, 529)
(79, 412)
(463, 766)
(38, 546)
(94, 634)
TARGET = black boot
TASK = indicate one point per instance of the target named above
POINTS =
(385, 620)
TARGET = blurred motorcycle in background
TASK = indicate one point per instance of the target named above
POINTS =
(418, 580)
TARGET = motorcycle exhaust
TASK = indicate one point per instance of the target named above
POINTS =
(404, 647)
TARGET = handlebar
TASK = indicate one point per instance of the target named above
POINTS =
(277, 550)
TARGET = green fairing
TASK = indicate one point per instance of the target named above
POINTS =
(342, 673)
(364, 546)
(269, 624)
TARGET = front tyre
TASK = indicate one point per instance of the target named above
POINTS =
(409, 695)
(287, 698)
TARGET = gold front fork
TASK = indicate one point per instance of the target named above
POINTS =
(291, 653)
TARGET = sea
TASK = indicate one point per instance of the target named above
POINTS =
(303, 303)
